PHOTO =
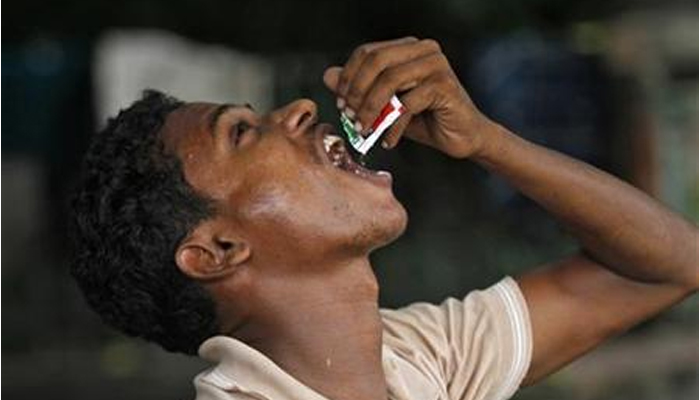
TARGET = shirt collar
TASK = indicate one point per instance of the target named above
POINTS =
(241, 368)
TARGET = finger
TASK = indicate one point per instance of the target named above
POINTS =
(331, 77)
(397, 79)
(393, 135)
(379, 60)
(415, 102)
(356, 58)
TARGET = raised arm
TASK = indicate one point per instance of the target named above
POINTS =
(637, 257)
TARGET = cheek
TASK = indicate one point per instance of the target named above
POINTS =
(268, 203)
(289, 204)
(301, 211)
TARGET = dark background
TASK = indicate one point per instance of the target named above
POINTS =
(614, 83)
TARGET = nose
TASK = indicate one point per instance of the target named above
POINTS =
(297, 116)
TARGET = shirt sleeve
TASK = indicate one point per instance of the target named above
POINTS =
(478, 348)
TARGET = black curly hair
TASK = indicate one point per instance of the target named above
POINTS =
(130, 210)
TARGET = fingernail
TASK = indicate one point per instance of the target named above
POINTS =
(340, 103)
(349, 113)
(385, 144)
(358, 126)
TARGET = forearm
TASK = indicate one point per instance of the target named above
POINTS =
(616, 224)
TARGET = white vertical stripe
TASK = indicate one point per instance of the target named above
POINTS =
(516, 316)
(519, 314)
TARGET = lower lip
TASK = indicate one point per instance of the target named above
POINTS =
(381, 178)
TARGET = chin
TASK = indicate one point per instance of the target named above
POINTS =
(388, 225)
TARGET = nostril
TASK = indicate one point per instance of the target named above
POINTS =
(304, 118)
(299, 115)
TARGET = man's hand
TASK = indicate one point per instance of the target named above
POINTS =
(439, 111)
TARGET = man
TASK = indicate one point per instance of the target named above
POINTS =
(243, 236)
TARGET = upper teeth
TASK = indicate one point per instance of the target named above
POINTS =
(329, 141)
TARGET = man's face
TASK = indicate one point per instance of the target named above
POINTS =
(281, 182)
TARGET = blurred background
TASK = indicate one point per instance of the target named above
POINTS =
(614, 83)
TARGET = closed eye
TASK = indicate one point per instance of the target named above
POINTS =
(237, 131)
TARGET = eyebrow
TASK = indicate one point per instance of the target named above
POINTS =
(221, 110)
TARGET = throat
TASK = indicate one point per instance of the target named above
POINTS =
(329, 337)
(340, 357)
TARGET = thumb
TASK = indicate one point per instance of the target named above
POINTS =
(331, 77)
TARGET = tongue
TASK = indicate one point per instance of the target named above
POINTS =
(348, 163)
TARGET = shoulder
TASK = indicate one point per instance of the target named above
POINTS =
(485, 334)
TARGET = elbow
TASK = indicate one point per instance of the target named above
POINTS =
(691, 282)
(691, 263)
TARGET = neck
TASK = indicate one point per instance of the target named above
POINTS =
(324, 330)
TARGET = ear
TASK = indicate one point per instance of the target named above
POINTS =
(209, 253)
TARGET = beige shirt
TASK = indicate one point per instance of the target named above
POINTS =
(478, 348)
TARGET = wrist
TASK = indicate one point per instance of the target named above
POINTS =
(489, 142)
(499, 148)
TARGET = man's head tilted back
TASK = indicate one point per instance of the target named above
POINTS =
(190, 216)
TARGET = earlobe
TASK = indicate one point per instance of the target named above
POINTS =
(207, 260)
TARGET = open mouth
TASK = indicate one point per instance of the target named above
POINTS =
(339, 157)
